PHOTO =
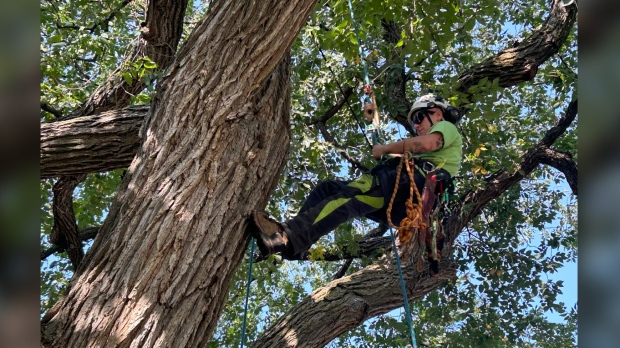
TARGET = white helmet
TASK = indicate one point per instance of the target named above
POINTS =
(450, 113)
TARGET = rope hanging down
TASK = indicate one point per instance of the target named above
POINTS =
(414, 219)
(359, 46)
(373, 128)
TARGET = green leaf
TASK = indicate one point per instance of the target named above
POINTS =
(128, 78)
(353, 39)
(55, 38)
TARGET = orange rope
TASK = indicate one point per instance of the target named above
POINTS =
(413, 220)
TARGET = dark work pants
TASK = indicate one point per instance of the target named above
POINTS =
(333, 202)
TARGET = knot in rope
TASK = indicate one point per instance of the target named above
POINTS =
(413, 221)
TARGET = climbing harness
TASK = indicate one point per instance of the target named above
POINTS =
(247, 295)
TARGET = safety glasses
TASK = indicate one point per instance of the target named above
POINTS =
(419, 116)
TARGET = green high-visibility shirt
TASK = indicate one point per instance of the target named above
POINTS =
(450, 155)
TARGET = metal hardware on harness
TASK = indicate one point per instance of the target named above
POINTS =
(427, 166)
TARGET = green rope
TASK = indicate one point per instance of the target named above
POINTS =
(359, 45)
(402, 286)
(247, 294)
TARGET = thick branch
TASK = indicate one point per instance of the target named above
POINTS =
(84, 235)
(64, 233)
(343, 269)
(347, 302)
(557, 130)
(518, 64)
(46, 107)
(91, 144)
(562, 162)
(160, 36)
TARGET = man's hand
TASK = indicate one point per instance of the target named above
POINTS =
(378, 151)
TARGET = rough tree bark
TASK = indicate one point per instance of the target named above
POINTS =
(91, 144)
(158, 40)
(215, 137)
(64, 219)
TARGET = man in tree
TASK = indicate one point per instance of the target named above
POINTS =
(437, 147)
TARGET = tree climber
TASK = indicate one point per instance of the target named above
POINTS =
(437, 146)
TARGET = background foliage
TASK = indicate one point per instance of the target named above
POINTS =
(503, 294)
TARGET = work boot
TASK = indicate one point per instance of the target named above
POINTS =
(268, 233)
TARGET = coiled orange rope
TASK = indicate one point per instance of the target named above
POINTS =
(413, 221)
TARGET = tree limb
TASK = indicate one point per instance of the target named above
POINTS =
(160, 35)
(562, 162)
(64, 233)
(46, 107)
(370, 292)
(560, 127)
(91, 144)
(343, 269)
(356, 298)
(518, 64)
(84, 235)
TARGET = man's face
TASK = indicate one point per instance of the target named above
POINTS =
(421, 124)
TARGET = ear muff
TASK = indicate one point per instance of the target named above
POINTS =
(452, 114)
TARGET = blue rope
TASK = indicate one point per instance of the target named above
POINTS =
(375, 141)
(402, 286)
(247, 294)
(359, 45)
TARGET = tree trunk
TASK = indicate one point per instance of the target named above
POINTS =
(214, 143)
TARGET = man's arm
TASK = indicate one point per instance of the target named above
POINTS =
(420, 144)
